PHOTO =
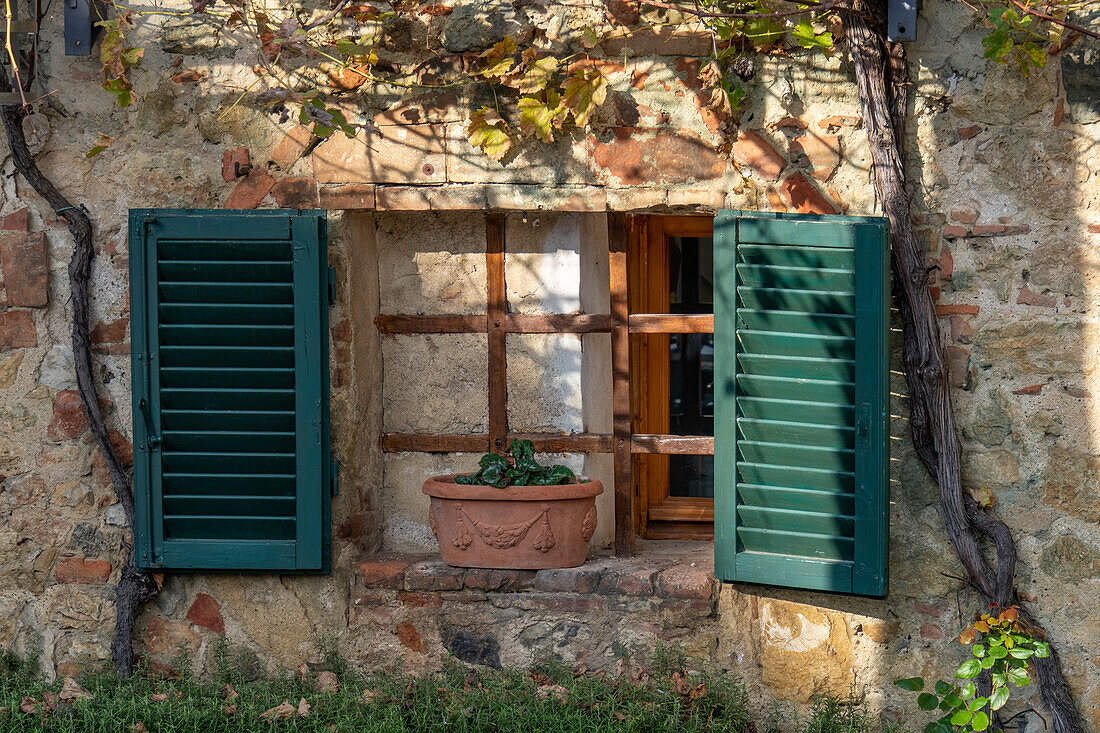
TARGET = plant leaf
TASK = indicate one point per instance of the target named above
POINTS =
(913, 684)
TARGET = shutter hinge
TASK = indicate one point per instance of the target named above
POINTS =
(334, 477)
(331, 285)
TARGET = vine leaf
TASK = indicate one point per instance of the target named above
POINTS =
(538, 73)
(583, 92)
(539, 118)
(499, 59)
(489, 131)
(806, 37)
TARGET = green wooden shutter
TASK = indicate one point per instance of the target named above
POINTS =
(229, 317)
(802, 400)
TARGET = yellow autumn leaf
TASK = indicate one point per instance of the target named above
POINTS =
(490, 133)
(583, 93)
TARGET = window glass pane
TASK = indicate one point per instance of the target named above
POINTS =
(691, 363)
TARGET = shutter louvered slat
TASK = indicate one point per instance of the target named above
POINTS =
(800, 363)
(234, 389)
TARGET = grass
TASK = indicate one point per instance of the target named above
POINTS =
(462, 699)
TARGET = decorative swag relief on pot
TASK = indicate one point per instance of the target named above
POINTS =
(513, 513)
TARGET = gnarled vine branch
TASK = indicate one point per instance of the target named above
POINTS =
(883, 83)
(134, 588)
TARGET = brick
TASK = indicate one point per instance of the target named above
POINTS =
(499, 580)
(946, 263)
(410, 637)
(296, 193)
(622, 13)
(124, 449)
(804, 197)
(1060, 112)
(958, 309)
(1032, 390)
(1094, 228)
(965, 215)
(349, 197)
(17, 221)
(385, 572)
(568, 580)
(961, 332)
(931, 631)
(758, 154)
(236, 164)
(966, 133)
(206, 612)
(684, 581)
(789, 123)
(26, 271)
(69, 419)
(1041, 300)
(821, 152)
(929, 609)
(393, 154)
(17, 330)
(464, 596)
(562, 603)
(999, 230)
(348, 78)
(631, 156)
(292, 147)
(958, 365)
(841, 121)
(420, 600)
(627, 579)
(109, 332)
(252, 189)
(433, 575)
(955, 232)
(79, 570)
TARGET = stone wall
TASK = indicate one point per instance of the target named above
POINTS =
(1005, 179)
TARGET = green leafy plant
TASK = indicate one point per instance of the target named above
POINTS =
(518, 469)
(1001, 644)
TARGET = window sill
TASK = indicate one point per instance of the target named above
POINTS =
(663, 575)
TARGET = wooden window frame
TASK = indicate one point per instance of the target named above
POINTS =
(624, 234)
(656, 514)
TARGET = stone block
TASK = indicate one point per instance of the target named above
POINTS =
(17, 221)
(291, 147)
(395, 154)
(628, 579)
(659, 41)
(684, 581)
(350, 197)
(430, 198)
(206, 612)
(165, 637)
(79, 570)
(483, 649)
(9, 369)
(296, 193)
(433, 575)
(427, 108)
(499, 580)
(23, 259)
(109, 332)
(585, 579)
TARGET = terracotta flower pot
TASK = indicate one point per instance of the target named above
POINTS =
(517, 527)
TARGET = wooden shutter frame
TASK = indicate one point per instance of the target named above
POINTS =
(306, 233)
(870, 240)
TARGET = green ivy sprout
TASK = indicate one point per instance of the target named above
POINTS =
(521, 470)
(1001, 644)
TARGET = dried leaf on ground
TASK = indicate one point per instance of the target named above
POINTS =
(303, 671)
(282, 711)
(159, 697)
(230, 710)
(303, 708)
(71, 690)
(559, 693)
(327, 682)
(138, 727)
(28, 704)
(368, 696)
(229, 693)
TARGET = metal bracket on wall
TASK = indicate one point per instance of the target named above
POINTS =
(81, 17)
(901, 20)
